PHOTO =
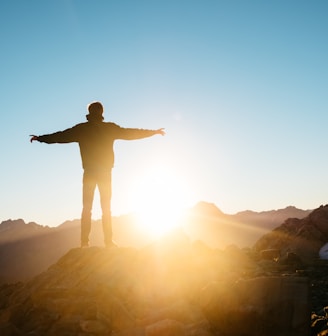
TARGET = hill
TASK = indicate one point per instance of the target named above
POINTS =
(172, 287)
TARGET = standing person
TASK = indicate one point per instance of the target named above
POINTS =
(96, 138)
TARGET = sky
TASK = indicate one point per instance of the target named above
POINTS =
(239, 86)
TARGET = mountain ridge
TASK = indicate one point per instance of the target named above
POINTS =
(201, 206)
(27, 249)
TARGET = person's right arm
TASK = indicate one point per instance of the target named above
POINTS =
(66, 136)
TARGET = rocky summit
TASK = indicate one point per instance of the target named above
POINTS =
(302, 237)
(177, 286)
(173, 287)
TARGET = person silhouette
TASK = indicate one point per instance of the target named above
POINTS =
(96, 139)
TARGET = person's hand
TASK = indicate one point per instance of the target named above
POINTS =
(34, 138)
(160, 131)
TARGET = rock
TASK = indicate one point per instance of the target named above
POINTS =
(180, 311)
(166, 328)
(94, 327)
(303, 237)
(173, 287)
(7, 329)
(270, 254)
(261, 306)
(113, 312)
(293, 260)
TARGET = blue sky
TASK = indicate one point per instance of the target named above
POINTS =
(240, 86)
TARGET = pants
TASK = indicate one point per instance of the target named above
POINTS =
(91, 179)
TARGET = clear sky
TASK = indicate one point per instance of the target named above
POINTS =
(240, 87)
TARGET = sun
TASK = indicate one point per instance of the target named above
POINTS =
(160, 197)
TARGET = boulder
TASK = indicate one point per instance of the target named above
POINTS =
(304, 237)
(268, 306)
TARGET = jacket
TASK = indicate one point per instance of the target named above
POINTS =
(96, 140)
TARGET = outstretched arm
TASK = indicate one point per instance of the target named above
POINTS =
(137, 133)
(66, 136)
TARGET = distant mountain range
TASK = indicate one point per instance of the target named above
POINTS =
(26, 249)
(207, 223)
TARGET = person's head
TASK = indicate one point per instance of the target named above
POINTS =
(95, 112)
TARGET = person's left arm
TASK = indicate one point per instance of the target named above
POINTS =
(138, 133)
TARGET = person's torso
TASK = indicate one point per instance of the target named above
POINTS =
(96, 141)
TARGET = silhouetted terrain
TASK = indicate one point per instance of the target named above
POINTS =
(304, 237)
(177, 285)
(28, 249)
(172, 287)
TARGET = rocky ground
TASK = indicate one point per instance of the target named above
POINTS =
(173, 287)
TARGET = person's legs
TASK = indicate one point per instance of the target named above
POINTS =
(105, 191)
(89, 185)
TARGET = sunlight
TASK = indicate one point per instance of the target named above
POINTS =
(159, 199)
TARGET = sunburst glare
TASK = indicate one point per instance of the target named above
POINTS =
(159, 198)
